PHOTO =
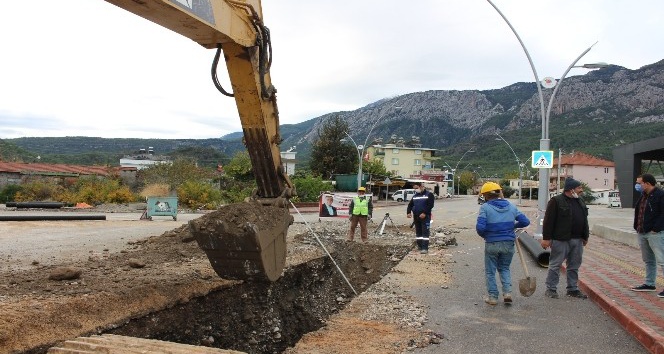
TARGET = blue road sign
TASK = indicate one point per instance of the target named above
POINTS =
(542, 159)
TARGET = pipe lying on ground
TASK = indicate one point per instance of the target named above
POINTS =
(44, 205)
(533, 247)
(51, 217)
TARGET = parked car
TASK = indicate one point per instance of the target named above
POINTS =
(403, 195)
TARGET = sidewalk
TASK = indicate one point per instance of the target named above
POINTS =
(611, 266)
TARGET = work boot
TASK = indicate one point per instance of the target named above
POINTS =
(490, 300)
(577, 294)
(424, 251)
(507, 298)
(551, 293)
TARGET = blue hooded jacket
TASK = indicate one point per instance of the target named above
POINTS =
(497, 220)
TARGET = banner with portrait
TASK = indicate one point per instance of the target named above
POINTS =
(335, 204)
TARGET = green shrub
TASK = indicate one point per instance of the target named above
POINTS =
(198, 195)
(40, 190)
(234, 190)
(121, 195)
(507, 190)
(309, 188)
(8, 193)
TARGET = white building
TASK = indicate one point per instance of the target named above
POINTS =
(288, 161)
(143, 159)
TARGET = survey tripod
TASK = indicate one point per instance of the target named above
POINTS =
(383, 223)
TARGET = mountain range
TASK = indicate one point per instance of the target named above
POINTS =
(591, 113)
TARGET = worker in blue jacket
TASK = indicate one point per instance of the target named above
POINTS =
(419, 208)
(496, 222)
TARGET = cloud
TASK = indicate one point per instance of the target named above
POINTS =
(96, 69)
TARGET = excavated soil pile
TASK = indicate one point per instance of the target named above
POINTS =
(163, 287)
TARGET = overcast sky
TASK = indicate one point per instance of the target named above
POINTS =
(89, 68)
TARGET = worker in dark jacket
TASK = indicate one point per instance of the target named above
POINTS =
(419, 208)
(566, 231)
(649, 225)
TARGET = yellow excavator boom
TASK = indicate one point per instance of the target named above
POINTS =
(236, 27)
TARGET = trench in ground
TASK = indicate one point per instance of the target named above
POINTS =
(270, 317)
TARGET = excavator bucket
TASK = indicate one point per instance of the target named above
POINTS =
(244, 241)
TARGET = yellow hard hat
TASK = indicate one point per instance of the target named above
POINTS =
(361, 189)
(489, 187)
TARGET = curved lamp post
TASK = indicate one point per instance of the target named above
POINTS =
(519, 164)
(359, 156)
(360, 148)
(457, 166)
(545, 143)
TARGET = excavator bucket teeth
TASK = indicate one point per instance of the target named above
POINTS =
(244, 241)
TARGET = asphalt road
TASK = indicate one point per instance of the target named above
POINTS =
(534, 324)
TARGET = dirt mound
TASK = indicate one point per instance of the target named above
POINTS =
(170, 271)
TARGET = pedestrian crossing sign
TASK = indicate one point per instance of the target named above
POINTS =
(542, 159)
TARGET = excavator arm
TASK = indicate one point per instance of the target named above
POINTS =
(236, 27)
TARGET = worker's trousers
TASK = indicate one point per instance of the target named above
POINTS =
(422, 232)
(354, 220)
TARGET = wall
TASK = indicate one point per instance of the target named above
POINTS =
(595, 176)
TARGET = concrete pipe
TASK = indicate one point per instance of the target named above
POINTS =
(72, 216)
(533, 247)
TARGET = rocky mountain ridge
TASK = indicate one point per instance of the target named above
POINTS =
(592, 113)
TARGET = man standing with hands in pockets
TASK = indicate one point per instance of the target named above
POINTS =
(419, 208)
(565, 230)
(649, 226)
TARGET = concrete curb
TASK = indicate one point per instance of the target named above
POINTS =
(650, 339)
(621, 235)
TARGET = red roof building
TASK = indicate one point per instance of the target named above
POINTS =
(595, 172)
(19, 172)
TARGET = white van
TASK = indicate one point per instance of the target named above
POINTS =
(403, 195)
(614, 200)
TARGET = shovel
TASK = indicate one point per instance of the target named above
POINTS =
(526, 286)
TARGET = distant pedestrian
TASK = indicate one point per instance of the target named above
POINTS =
(360, 211)
(419, 208)
(496, 222)
(649, 225)
(566, 231)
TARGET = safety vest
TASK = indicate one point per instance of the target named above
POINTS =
(361, 207)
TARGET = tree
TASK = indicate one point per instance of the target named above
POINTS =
(309, 188)
(240, 167)
(329, 155)
(375, 168)
(587, 194)
(466, 180)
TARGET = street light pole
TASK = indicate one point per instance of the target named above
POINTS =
(360, 148)
(545, 143)
(456, 167)
(519, 164)
(359, 170)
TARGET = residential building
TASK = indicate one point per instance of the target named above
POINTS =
(403, 160)
(288, 161)
(143, 159)
(597, 173)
